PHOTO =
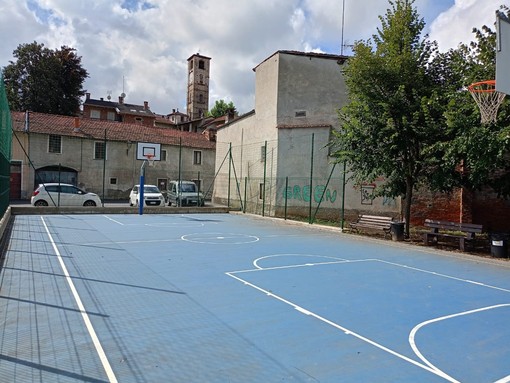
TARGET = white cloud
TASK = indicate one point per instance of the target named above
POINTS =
(142, 46)
(455, 25)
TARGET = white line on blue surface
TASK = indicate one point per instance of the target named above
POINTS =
(113, 220)
(88, 324)
(446, 276)
(345, 330)
(412, 334)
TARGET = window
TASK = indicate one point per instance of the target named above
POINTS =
(201, 98)
(201, 64)
(198, 183)
(201, 81)
(113, 181)
(163, 155)
(261, 191)
(99, 150)
(54, 143)
(263, 153)
(94, 113)
(110, 116)
(301, 113)
(197, 157)
(139, 120)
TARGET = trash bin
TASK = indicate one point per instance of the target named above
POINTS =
(397, 231)
(499, 245)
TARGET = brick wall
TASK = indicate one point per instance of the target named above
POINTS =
(492, 212)
(481, 207)
(438, 206)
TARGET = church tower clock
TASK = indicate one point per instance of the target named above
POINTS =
(198, 86)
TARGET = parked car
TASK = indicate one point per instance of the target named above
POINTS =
(55, 194)
(151, 195)
(185, 195)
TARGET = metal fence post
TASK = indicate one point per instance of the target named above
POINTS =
(311, 182)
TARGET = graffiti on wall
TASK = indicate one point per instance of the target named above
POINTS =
(305, 194)
(367, 194)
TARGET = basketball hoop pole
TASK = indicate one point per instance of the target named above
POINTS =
(142, 182)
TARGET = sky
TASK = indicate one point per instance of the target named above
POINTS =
(141, 47)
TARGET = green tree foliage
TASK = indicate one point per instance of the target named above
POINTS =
(477, 155)
(395, 112)
(221, 108)
(45, 80)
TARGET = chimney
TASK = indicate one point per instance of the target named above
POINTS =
(121, 100)
(146, 105)
(102, 99)
(87, 96)
(76, 125)
(173, 110)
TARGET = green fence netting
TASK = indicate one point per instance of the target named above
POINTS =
(5, 149)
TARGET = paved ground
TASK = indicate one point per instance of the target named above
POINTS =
(233, 298)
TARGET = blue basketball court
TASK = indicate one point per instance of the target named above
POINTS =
(235, 298)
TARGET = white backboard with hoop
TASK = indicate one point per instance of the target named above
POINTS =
(502, 53)
(145, 150)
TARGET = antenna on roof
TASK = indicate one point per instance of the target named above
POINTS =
(343, 20)
(109, 93)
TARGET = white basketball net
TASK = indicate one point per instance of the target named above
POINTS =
(150, 160)
(487, 98)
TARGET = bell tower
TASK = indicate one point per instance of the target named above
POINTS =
(198, 86)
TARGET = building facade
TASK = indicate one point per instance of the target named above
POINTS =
(118, 111)
(100, 156)
(198, 86)
(279, 160)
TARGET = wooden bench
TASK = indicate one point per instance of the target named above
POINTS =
(372, 222)
(466, 236)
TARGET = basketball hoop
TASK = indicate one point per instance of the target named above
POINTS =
(150, 159)
(487, 98)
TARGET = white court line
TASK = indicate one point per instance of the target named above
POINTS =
(113, 220)
(446, 276)
(336, 260)
(506, 379)
(412, 334)
(126, 242)
(88, 324)
(345, 330)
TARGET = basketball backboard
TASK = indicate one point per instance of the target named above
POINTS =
(502, 53)
(146, 148)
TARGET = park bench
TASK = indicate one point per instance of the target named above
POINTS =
(447, 232)
(372, 222)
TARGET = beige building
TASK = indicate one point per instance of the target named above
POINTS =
(278, 154)
(100, 155)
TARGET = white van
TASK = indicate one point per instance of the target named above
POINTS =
(151, 195)
(185, 195)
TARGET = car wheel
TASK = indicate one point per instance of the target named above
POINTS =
(41, 202)
(89, 203)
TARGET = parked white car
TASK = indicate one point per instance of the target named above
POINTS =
(187, 194)
(151, 195)
(55, 194)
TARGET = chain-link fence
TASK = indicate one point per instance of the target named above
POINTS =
(294, 177)
(101, 157)
(5, 149)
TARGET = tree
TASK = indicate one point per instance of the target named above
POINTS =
(395, 110)
(482, 150)
(45, 80)
(221, 108)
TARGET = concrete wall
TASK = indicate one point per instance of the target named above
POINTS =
(120, 166)
(310, 84)
(287, 83)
